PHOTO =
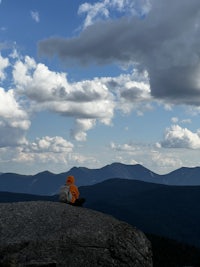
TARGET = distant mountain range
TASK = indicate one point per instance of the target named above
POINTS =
(47, 183)
(170, 211)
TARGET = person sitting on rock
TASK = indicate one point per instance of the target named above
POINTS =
(69, 193)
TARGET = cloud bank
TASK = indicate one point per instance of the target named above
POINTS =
(36, 88)
(165, 43)
(87, 101)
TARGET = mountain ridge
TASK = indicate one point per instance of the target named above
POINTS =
(164, 210)
(48, 183)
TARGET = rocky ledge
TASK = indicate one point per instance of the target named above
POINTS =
(55, 234)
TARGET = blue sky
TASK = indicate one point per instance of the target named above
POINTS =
(96, 82)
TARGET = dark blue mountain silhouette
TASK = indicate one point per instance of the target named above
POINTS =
(171, 211)
(183, 176)
(44, 183)
(47, 183)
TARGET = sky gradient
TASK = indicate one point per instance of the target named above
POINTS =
(91, 83)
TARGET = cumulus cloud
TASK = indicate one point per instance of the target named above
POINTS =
(82, 125)
(9, 107)
(87, 101)
(133, 91)
(36, 88)
(165, 43)
(56, 144)
(177, 137)
(14, 120)
(48, 90)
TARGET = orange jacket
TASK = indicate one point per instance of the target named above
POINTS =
(73, 188)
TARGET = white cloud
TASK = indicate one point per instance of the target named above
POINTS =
(152, 156)
(10, 108)
(14, 120)
(44, 158)
(4, 63)
(48, 90)
(177, 137)
(46, 152)
(132, 91)
(135, 95)
(129, 148)
(12, 158)
(108, 8)
(93, 11)
(35, 16)
(55, 144)
(165, 160)
(82, 125)
(175, 120)
(87, 101)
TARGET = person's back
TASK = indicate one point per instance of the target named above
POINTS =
(71, 193)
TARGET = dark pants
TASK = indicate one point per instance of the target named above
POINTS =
(79, 202)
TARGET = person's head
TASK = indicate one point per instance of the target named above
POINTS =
(70, 180)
